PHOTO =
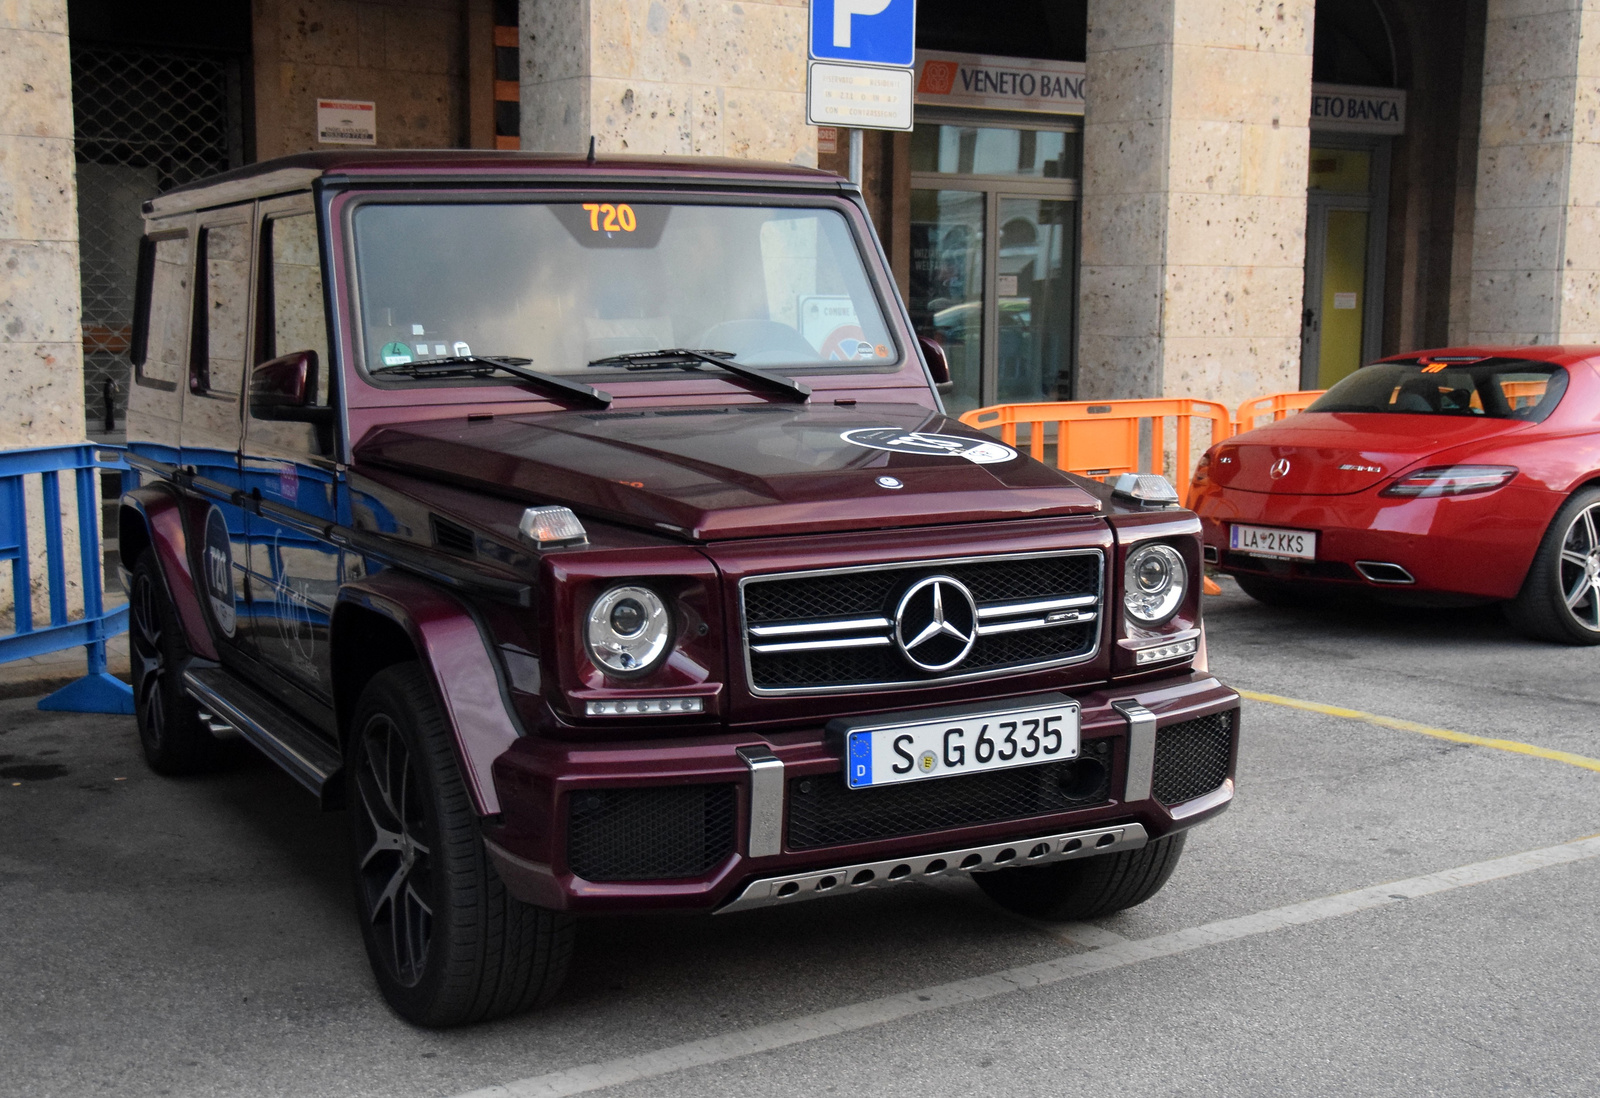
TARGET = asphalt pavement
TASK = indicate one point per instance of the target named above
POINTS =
(1383, 910)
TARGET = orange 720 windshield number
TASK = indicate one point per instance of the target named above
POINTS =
(604, 217)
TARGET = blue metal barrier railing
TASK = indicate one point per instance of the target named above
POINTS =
(99, 691)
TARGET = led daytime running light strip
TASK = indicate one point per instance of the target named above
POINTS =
(641, 707)
(1163, 652)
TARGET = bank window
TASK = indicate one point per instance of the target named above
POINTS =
(992, 150)
(218, 348)
(1344, 171)
(169, 314)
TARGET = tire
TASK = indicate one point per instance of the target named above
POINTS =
(174, 738)
(1560, 599)
(1085, 888)
(447, 943)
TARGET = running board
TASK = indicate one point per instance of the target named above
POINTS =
(276, 733)
(973, 859)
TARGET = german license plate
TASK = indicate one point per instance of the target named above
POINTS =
(1269, 541)
(964, 744)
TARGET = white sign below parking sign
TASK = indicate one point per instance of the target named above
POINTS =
(860, 96)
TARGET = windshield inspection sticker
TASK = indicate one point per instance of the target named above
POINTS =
(896, 441)
(396, 354)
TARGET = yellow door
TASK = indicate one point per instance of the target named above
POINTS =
(1344, 271)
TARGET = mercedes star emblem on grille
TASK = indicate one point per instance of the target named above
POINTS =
(1279, 470)
(936, 623)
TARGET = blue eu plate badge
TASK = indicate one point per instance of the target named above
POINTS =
(861, 758)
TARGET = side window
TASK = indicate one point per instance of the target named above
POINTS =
(291, 319)
(162, 367)
(216, 354)
(292, 315)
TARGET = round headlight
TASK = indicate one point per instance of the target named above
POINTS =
(1155, 582)
(628, 630)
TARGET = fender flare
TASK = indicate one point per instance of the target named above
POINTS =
(158, 512)
(452, 646)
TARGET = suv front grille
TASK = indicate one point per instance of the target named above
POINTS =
(823, 812)
(1192, 757)
(835, 629)
(651, 833)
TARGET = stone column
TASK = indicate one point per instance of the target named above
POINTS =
(41, 345)
(676, 77)
(1194, 198)
(1536, 236)
(41, 342)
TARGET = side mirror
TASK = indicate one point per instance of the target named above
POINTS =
(284, 389)
(938, 364)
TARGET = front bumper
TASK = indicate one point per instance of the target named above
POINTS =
(538, 781)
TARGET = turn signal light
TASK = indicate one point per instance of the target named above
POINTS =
(552, 527)
(1451, 480)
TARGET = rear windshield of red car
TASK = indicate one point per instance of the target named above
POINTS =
(1494, 388)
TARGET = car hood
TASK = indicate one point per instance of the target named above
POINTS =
(739, 471)
(1336, 453)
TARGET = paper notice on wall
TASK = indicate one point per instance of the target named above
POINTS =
(1344, 301)
(347, 122)
(827, 140)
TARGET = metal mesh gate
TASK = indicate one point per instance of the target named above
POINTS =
(145, 121)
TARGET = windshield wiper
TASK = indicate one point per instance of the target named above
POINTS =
(684, 358)
(458, 365)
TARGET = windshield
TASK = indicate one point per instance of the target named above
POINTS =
(1496, 388)
(561, 285)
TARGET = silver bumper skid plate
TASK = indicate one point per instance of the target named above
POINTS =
(769, 891)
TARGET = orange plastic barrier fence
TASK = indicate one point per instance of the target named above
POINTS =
(1524, 394)
(1102, 438)
(1277, 405)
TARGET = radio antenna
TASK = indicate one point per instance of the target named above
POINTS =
(591, 148)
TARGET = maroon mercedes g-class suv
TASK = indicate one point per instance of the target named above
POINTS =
(591, 531)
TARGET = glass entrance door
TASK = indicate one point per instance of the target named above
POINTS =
(1344, 264)
(994, 254)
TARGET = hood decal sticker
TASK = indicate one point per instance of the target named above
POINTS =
(897, 440)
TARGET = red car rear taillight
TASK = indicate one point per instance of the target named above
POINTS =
(1451, 480)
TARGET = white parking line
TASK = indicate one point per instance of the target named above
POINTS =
(795, 1031)
(1086, 935)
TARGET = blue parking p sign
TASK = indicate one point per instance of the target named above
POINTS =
(864, 32)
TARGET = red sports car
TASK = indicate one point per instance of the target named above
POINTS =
(1470, 474)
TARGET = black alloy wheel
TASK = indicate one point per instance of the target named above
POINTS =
(394, 839)
(1560, 599)
(171, 732)
(447, 943)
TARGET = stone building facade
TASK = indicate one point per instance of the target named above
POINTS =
(1194, 197)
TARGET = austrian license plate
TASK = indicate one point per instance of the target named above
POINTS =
(1269, 541)
(963, 744)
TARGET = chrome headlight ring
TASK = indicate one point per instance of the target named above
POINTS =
(629, 630)
(1155, 581)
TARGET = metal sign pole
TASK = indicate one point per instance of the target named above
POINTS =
(856, 144)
